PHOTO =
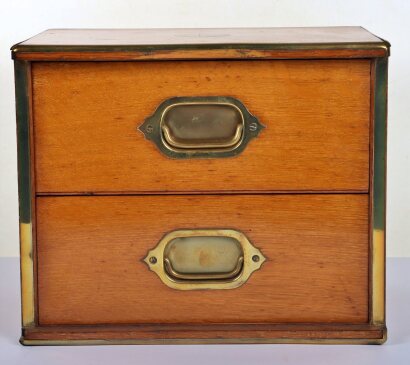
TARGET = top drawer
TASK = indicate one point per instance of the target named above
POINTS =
(316, 114)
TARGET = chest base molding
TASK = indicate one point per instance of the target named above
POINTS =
(205, 334)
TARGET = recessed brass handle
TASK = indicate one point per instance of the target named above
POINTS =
(192, 127)
(195, 276)
(204, 259)
(205, 141)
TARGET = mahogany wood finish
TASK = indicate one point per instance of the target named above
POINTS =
(149, 44)
(195, 36)
(316, 115)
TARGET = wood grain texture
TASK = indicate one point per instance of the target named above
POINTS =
(237, 333)
(202, 54)
(237, 43)
(90, 251)
(316, 114)
(190, 36)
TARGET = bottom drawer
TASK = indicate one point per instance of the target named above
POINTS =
(90, 253)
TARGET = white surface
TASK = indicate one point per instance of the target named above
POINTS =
(395, 351)
(20, 19)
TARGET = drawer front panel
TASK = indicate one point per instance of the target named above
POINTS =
(91, 252)
(316, 115)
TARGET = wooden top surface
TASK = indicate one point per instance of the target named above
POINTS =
(176, 40)
(135, 37)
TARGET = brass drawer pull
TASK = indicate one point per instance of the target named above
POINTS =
(204, 259)
(199, 126)
(195, 276)
(192, 127)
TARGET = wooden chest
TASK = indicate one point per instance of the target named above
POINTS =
(202, 186)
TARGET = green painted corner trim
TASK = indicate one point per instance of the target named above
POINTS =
(21, 74)
(380, 141)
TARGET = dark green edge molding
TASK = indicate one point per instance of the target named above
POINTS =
(21, 73)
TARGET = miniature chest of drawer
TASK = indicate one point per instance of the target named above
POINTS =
(202, 186)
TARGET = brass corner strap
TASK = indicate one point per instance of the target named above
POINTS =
(378, 236)
(204, 259)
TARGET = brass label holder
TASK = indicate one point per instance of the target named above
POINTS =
(204, 259)
(201, 127)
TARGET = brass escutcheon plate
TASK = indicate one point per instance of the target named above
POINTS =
(204, 259)
(201, 127)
